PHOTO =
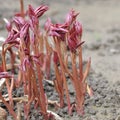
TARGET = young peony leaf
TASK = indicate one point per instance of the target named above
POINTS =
(5, 75)
(71, 17)
(24, 30)
(12, 37)
(19, 22)
(40, 10)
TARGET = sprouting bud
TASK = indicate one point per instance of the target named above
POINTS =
(40, 10)
(71, 17)
(8, 24)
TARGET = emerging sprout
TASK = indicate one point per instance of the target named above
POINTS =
(36, 55)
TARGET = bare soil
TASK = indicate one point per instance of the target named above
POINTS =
(101, 33)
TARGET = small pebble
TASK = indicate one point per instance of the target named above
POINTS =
(118, 118)
(105, 105)
(92, 112)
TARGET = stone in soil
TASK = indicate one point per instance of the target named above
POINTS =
(3, 114)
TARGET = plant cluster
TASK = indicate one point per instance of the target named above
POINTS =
(36, 51)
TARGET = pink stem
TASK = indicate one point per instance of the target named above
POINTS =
(22, 8)
(57, 45)
(8, 107)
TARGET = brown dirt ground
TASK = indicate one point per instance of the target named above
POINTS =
(101, 29)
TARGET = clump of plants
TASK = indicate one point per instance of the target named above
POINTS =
(33, 51)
